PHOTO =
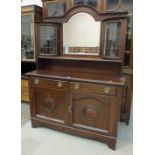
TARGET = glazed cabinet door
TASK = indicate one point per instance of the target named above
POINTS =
(47, 39)
(27, 38)
(92, 3)
(113, 39)
(55, 8)
(49, 103)
(95, 113)
(119, 5)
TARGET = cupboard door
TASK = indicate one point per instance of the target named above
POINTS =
(27, 38)
(48, 39)
(127, 5)
(79, 2)
(94, 113)
(114, 35)
(50, 104)
(119, 5)
(92, 3)
(56, 8)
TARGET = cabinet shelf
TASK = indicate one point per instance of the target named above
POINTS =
(78, 58)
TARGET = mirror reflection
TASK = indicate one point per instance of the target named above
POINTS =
(81, 35)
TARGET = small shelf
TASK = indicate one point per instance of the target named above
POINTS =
(79, 58)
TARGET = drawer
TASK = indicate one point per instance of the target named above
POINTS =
(93, 88)
(48, 83)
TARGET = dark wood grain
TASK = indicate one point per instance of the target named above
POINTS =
(79, 95)
(76, 109)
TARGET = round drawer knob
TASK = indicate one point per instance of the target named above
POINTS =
(59, 84)
(106, 89)
(36, 81)
(77, 86)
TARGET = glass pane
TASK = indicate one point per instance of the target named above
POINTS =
(79, 2)
(61, 9)
(127, 5)
(48, 40)
(51, 9)
(93, 3)
(112, 39)
(27, 49)
(111, 4)
(56, 9)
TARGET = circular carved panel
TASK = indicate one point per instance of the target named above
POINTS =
(49, 104)
(90, 112)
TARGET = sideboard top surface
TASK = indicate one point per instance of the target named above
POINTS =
(110, 80)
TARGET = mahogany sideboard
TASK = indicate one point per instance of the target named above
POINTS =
(78, 86)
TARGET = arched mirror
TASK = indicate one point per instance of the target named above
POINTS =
(81, 35)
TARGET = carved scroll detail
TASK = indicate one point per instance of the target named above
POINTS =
(50, 104)
(90, 112)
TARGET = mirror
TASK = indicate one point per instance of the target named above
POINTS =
(81, 35)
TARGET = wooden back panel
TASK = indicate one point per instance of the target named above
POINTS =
(80, 68)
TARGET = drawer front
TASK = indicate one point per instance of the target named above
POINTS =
(48, 83)
(93, 88)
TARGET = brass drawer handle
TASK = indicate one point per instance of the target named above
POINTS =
(106, 90)
(76, 86)
(59, 84)
(36, 81)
